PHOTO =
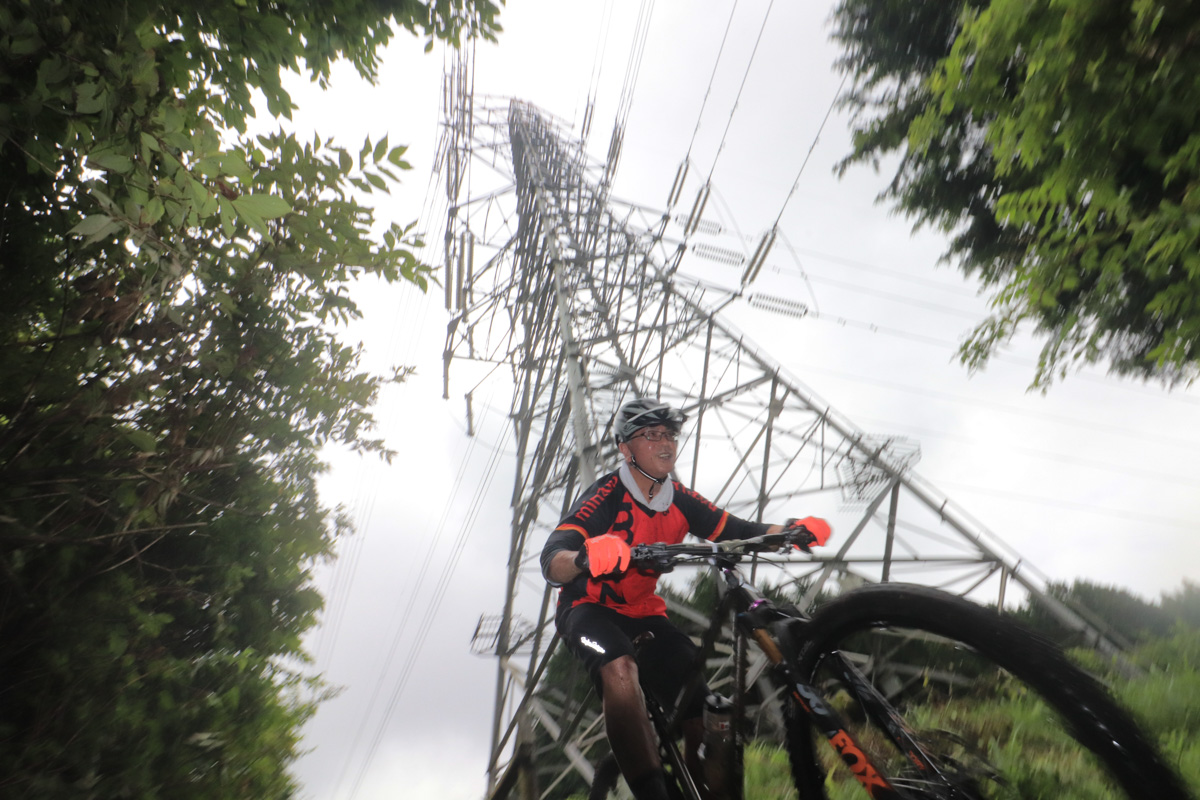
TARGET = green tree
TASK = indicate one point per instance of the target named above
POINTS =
(1113, 610)
(168, 285)
(1183, 605)
(1057, 142)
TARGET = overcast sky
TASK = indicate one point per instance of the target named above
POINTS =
(1094, 479)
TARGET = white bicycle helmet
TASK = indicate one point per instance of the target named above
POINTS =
(645, 413)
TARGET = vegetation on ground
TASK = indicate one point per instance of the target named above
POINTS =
(1011, 730)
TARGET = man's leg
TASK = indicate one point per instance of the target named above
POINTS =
(670, 661)
(630, 733)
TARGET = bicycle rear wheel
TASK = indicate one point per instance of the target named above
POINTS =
(978, 690)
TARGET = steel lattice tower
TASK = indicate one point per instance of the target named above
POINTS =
(585, 302)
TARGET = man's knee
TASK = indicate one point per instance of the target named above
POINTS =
(619, 677)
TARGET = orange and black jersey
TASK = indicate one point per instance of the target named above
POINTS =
(608, 507)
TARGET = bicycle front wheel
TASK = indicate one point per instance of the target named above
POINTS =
(1002, 710)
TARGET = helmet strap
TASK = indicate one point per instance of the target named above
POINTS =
(656, 481)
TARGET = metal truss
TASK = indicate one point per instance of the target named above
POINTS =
(584, 302)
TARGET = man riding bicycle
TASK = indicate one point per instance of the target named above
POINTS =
(602, 607)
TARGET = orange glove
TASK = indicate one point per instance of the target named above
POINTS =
(816, 526)
(604, 555)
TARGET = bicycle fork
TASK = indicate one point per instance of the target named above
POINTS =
(824, 717)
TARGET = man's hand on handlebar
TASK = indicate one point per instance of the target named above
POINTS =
(604, 556)
(809, 531)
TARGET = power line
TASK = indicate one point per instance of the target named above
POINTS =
(1121, 469)
(843, 321)
(1072, 421)
(598, 59)
(1139, 516)
(711, 78)
(737, 99)
(633, 65)
(431, 610)
(898, 298)
(1005, 358)
(633, 69)
(811, 148)
(401, 615)
(878, 270)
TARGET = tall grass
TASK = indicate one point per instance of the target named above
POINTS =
(1022, 739)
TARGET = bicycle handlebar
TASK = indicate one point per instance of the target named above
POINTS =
(664, 557)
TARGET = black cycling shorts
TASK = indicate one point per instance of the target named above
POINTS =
(597, 635)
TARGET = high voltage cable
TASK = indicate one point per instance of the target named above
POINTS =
(872, 327)
(1073, 421)
(1006, 358)
(402, 613)
(1045, 455)
(431, 610)
(633, 66)
(711, 78)
(408, 317)
(1137, 516)
(598, 59)
(729, 215)
(345, 569)
(811, 148)
(633, 69)
(898, 298)
(436, 209)
(799, 267)
(738, 98)
(875, 328)
(893, 273)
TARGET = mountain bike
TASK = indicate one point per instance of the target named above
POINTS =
(918, 694)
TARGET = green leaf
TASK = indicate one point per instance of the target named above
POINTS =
(53, 70)
(228, 216)
(263, 206)
(21, 46)
(233, 162)
(96, 227)
(111, 161)
(90, 98)
(143, 441)
(381, 149)
(396, 157)
(153, 211)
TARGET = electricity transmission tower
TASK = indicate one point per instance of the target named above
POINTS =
(585, 302)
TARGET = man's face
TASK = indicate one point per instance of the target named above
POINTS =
(656, 458)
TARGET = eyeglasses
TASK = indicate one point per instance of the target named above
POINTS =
(658, 436)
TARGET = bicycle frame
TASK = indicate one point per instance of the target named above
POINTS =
(758, 619)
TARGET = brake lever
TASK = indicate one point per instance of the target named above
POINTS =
(801, 538)
(648, 558)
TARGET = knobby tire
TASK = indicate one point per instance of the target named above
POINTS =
(1091, 717)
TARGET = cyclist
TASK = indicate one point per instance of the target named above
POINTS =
(602, 606)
